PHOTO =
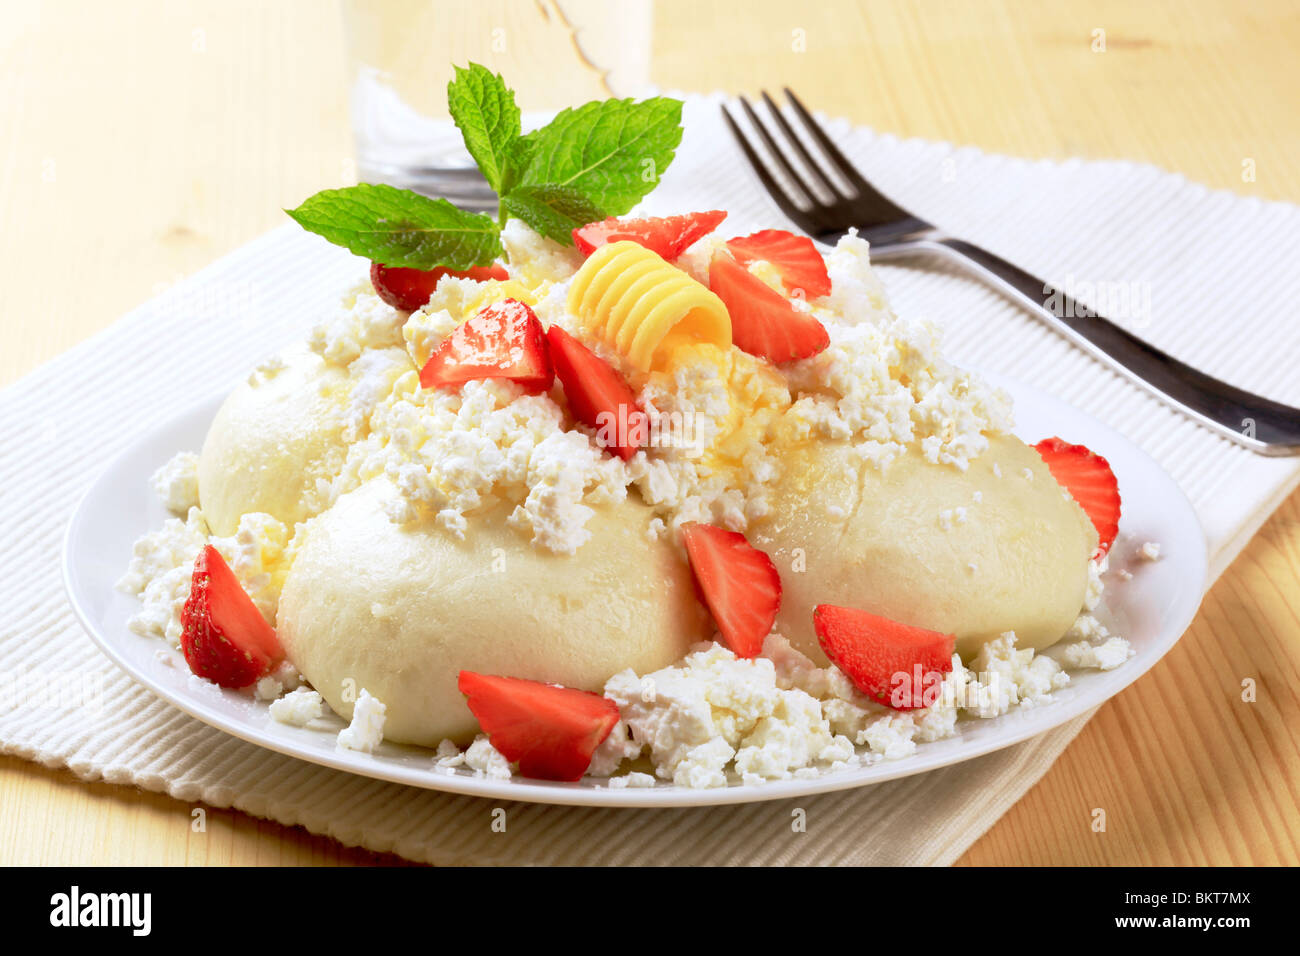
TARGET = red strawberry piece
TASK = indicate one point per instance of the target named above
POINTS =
(894, 664)
(409, 289)
(504, 340)
(1090, 482)
(598, 396)
(795, 257)
(740, 585)
(224, 636)
(763, 322)
(551, 731)
(669, 236)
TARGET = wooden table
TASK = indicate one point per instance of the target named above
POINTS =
(142, 140)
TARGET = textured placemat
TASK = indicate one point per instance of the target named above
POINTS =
(1209, 276)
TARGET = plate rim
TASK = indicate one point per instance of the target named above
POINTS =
(663, 795)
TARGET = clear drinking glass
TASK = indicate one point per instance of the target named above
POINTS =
(553, 53)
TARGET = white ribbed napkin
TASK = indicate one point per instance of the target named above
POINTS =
(1222, 276)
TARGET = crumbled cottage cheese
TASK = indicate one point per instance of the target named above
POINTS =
(366, 731)
(636, 779)
(452, 452)
(448, 757)
(1150, 551)
(162, 565)
(713, 718)
(1088, 643)
(1106, 655)
(718, 419)
(177, 483)
(1009, 677)
(373, 375)
(713, 708)
(363, 321)
(285, 677)
(480, 757)
(613, 750)
(883, 384)
(485, 760)
(712, 456)
(536, 259)
(267, 370)
(298, 708)
(159, 574)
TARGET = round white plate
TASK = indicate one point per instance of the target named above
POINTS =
(1152, 610)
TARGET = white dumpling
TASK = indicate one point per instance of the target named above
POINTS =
(997, 547)
(400, 610)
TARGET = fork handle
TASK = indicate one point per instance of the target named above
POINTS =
(1258, 423)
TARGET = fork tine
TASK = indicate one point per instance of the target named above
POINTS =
(832, 151)
(817, 171)
(809, 193)
(774, 189)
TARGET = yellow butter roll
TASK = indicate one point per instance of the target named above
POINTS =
(639, 304)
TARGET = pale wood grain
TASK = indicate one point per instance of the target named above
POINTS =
(138, 142)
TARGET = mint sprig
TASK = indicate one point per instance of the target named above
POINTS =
(398, 227)
(611, 151)
(554, 211)
(484, 110)
(595, 161)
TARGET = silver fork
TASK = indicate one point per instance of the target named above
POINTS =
(1260, 424)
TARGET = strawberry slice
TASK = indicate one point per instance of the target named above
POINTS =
(224, 636)
(598, 396)
(503, 340)
(1090, 482)
(551, 731)
(668, 235)
(408, 289)
(894, 664)
(795, 257)
(740, 585)
(763, 322)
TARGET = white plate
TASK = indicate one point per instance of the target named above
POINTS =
(1152, 610)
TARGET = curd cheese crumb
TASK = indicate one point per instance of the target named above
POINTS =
(697, 716)
(1104, 656)
(366, 731)
(613, 750)
(636, 779)
(177, 483)
(267, 370)
(1150, 551)
(363, 321)
(1004, 676)
(162, 564)
(714, 717)
(448, 756)
(485, 760)
(298, 708)
(534, 259)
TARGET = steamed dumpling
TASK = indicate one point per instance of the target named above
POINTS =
(281, 432)
(998, 547)
(400, 611)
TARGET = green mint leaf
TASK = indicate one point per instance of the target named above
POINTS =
(484, 110)
(518, 154)
(553, 211)
(611, 151)
(397, 227)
